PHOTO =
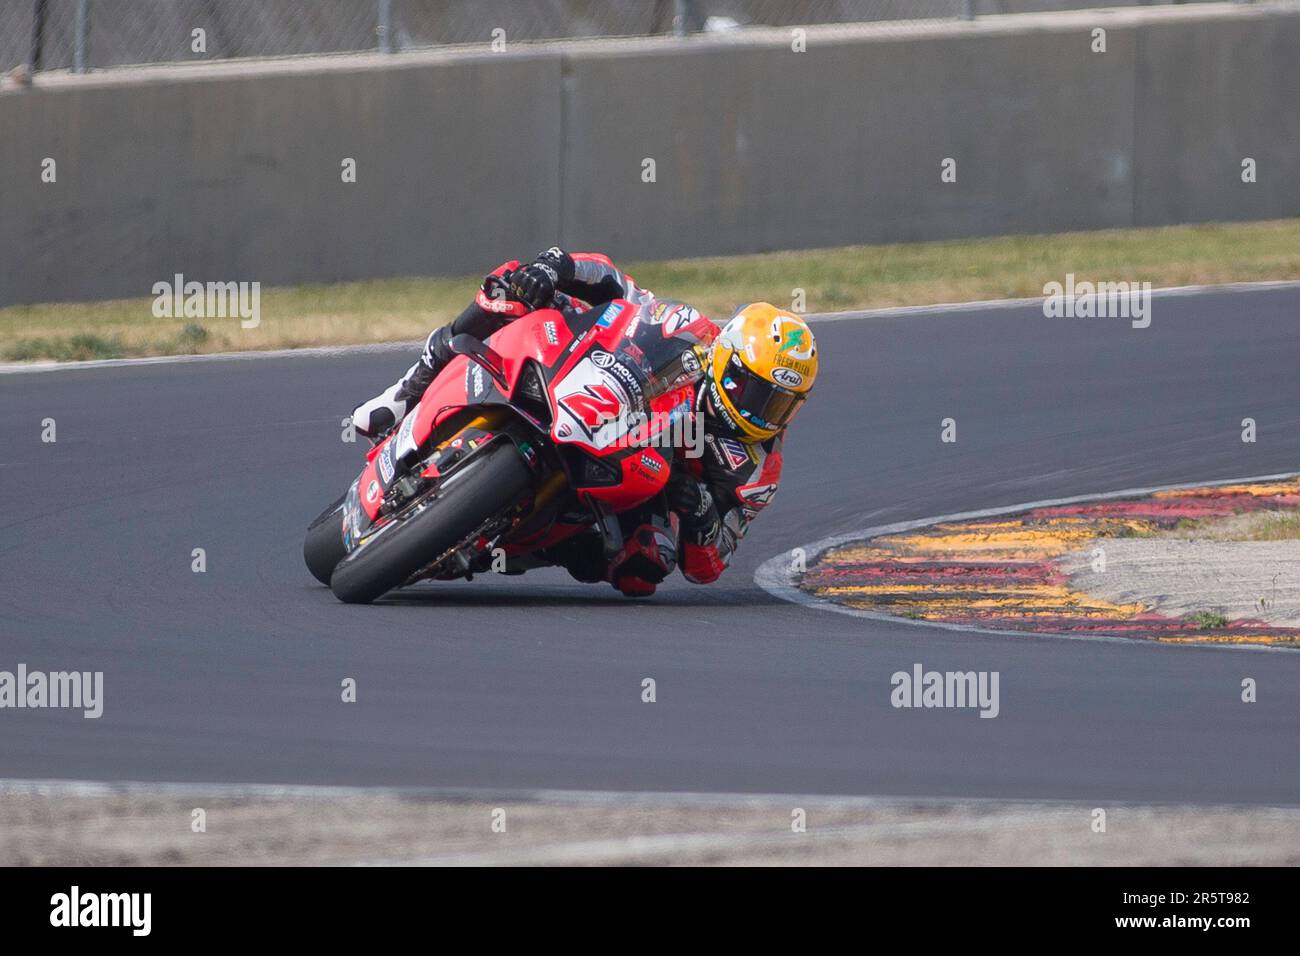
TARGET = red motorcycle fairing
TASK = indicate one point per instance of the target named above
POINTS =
(595, 394)
(542, 337)
(613, 383)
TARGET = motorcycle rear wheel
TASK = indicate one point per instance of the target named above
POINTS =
(323, 548)
(485, 486)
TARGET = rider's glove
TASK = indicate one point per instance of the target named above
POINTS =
(691, 501)
(561, 262)
(533, 284)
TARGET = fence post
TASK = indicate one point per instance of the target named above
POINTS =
(82, 28)
(679, 18)
(385, 26)
(38, 34)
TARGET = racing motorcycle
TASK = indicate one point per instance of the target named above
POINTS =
(559, 422)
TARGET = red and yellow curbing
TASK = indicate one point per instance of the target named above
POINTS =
(1002, 573)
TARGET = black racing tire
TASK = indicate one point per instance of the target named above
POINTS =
(323, 547)
(486, 485)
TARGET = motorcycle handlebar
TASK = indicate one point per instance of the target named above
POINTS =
(558, 301)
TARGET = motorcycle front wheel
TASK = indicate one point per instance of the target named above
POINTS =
(487, 484)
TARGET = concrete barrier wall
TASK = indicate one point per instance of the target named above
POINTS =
(233, 172)
(239, 175)
(844, 143)
(1210, 93)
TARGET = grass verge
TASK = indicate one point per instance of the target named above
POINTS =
(854, 277)
(1207, 619)
(1271, 525)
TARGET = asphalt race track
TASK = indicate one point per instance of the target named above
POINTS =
(233, 675)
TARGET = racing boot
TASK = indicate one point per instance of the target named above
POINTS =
(380, 415)
(648, 556)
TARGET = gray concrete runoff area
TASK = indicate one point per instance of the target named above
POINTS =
(148, 826)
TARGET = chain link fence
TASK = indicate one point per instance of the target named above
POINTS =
(79, 35)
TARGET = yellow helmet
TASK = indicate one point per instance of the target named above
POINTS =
(761, 367)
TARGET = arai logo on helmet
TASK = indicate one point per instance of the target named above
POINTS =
(787, 377)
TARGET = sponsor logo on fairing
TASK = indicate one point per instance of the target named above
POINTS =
(403, 444)
(475, 382)
(607, 317)
(386, 463)
(630, 382)
(495, 301)
(593, 406)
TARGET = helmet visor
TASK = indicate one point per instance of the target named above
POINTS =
(762, 403)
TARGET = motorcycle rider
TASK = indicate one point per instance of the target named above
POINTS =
(759, 369)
